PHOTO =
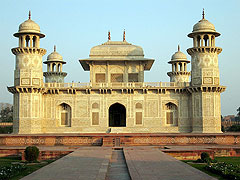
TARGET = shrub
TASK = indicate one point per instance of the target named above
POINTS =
(6, 130)
(234, 128)
(31, 153)
(205, 157)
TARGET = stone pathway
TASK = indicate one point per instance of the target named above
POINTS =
(86, 163)
(149, 163)
(100, 163)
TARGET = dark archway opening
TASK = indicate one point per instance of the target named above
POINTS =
(117, 115)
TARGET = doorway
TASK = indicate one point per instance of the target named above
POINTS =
(117, 115)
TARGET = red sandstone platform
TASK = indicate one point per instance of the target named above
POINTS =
(121, 139)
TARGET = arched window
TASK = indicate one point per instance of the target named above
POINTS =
(95, 105)
(53, 67)
(138, 114)
(27, 41)
(171, 114)
(198, 41)
(206, 42)
(59, 68)
(34, 41)
(65, 115)
(95, 114)
(180, 65)
(139, 106)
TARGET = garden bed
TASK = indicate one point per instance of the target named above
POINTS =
(224, 168)
(13, 168)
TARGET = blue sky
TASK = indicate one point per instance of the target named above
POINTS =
(157, 26)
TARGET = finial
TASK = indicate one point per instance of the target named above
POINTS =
(109, 36)
(124, 37)
(54, 48)
(178, 47)
(29, 15)
(203, 14)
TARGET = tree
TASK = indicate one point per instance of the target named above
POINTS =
(6, 114)
(237, 118)
(238, 112)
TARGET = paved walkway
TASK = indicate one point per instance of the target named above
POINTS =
(86, 163)
(144, 163)
(149, 163)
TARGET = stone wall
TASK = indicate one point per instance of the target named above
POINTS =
(120, 139)
(85, 108)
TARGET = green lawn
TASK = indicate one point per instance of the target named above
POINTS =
(201, 168)
(7, 161)
(232, 160)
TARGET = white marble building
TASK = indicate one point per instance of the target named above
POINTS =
(117, 99)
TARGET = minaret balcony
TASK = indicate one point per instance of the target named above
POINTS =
(204, 49)
(55, 73)
(179, 73)
(28, 50)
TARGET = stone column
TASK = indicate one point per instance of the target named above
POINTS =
(209, 41)
(24, 41)
(141, 72)
(37, 42)
(51, 67)
(202, 44)
(125, 75)
(31, 40)
(107, 79)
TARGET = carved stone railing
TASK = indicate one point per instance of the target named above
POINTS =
(117, 85)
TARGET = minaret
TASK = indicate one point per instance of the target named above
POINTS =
(205, 88)
(179, 71)
(54, 72)
(28, 79)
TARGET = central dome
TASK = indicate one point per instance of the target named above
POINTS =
(116, 48)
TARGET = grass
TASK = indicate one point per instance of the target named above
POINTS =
(201, 168)
(7, 161)
(232, 160)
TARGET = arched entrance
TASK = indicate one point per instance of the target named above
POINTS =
(117, 115)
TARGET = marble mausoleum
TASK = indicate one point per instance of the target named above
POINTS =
(117, 100)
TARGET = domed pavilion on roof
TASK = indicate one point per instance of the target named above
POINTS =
(117, 99)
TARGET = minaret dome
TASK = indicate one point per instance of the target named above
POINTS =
(54, 68)
(179, 71)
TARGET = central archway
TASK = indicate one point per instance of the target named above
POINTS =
(117, 115)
